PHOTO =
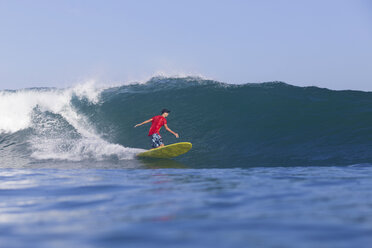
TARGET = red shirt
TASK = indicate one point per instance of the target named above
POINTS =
(157, 122)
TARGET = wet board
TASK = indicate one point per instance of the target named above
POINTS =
(169, 151)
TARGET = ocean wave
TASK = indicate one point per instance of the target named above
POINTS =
(267, 124)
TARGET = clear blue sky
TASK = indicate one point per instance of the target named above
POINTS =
(326, 43)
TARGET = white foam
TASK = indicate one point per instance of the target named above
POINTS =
(83, 149)
(16, 107)
(17, 110)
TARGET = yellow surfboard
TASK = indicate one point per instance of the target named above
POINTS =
(169, 151)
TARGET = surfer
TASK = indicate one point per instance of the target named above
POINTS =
(156, 123)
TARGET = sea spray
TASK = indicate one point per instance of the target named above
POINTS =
(55, 129)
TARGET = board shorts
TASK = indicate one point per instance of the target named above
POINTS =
(156, 140)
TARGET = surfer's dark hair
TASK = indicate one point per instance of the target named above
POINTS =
(165, 111)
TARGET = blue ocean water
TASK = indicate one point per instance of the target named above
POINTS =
(255, 207)
(272, 165)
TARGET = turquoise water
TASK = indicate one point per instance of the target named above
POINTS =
(256, 207)
(268, 124)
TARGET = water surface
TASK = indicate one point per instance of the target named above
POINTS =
(255, 207)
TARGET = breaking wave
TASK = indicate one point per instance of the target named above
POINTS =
(268, 124)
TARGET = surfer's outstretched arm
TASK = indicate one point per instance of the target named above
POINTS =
(140, 124)
(169, 130)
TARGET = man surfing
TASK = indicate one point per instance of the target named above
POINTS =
(156, 123)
